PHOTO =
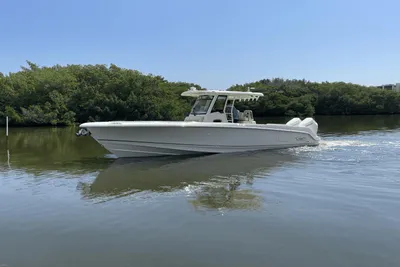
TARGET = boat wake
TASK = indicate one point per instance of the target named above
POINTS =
(333, 145)
(361, 148)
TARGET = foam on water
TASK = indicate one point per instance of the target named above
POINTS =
(333, 145)
(366, 149)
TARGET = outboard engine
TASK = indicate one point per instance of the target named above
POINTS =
(310, 123)
(294, 122)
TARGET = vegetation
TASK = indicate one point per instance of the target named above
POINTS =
(303, 98)
(64, 95)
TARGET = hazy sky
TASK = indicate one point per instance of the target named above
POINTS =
(213, 43)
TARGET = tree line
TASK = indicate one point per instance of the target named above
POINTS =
(65, 95)
(304, 98)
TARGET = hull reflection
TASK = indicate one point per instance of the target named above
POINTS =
(214, 180)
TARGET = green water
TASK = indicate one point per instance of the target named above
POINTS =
(65, 201)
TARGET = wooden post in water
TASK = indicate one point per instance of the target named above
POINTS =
(8, 151)
(7, 127)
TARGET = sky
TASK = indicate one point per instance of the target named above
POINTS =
(215, 44)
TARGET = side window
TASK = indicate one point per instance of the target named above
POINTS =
(219, 104)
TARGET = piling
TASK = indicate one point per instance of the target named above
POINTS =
(7, 127)
(8, 150)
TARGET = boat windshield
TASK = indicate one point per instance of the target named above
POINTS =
(202, 104)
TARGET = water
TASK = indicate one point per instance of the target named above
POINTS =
(64, 201)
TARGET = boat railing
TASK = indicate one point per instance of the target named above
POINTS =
(229, 113)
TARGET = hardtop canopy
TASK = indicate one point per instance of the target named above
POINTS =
(232, 95)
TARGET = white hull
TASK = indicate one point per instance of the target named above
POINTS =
(148, 139)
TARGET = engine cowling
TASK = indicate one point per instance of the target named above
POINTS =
(309, 123)
(294, 122)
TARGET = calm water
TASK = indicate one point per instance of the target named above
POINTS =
(64, 201)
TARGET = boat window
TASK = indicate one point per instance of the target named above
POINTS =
(202, 104)
(219, 104)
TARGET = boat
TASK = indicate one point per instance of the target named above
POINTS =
(214, 125)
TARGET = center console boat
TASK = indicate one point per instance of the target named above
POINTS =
(214, 125)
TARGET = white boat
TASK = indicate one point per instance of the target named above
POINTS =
(214, 125)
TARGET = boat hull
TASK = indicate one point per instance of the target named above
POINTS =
(149, 139)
